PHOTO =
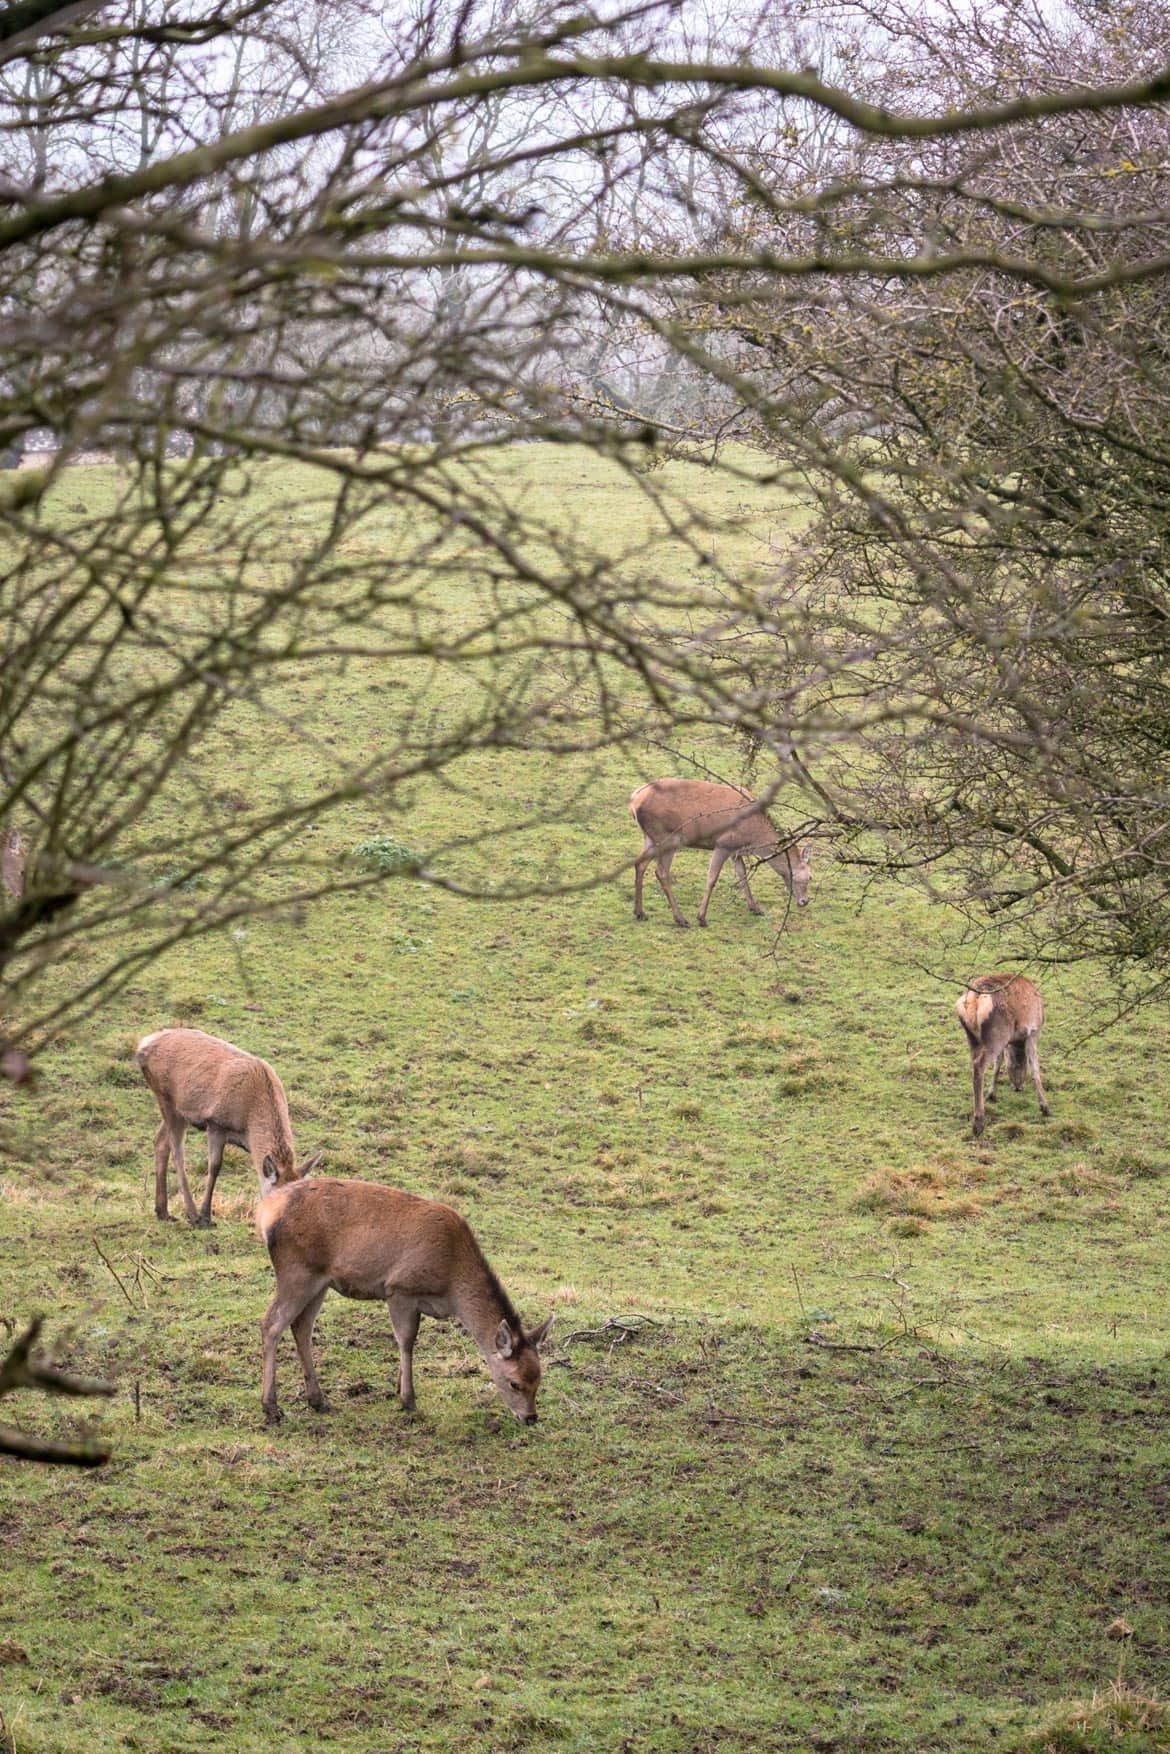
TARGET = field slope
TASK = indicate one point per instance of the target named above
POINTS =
(853, 1432)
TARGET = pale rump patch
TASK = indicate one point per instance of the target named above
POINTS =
(974, 1009)
(1002, 1016)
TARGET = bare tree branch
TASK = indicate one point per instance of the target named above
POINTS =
(20, 1370)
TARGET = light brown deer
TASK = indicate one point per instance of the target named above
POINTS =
(374, 1242)
(1002, 1015)
(200, 1081)
(729, 822)
(13, 859)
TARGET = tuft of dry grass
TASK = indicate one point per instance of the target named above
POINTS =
(1080, 1180)
(23, 1193)
(748, 1033)
(925, 1192)
(1090, 1192)
(235, 1208)
(1122, 1718)
(1074, 1133)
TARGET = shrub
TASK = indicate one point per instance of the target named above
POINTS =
(385, 855)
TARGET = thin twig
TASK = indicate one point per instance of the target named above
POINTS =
(815, 1339)
(114, 1272)
(622, 1327)
(791, 1578)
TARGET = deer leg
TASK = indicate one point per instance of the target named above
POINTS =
(215, 1149)
(404, 1319)
(272, 1326)
(742, 877)
(718, 859)
(998, 1068)
(302, 1329)
(176, 1127)
(662, 872)
(978, 1066)
(1017, 1063)
(1033, 1061)
(290, 1301)
(640, 865)
(177, 1133)
(162, 1156)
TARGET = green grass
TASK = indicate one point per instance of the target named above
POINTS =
(883, 1461)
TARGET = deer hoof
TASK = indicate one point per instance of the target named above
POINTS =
(683, 924)
(272, 1414)
(320, 1405)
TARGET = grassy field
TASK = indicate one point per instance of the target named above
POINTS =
(853, 1433)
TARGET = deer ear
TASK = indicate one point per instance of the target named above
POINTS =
(505, 1341)
(310, 1163)
(269, 1171)
(541, 1333)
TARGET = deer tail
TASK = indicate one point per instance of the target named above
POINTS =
(974, 1012)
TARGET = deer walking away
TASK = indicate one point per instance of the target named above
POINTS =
(420, 1257)
(674, 813)
(233, 1096)
(1002, 1016)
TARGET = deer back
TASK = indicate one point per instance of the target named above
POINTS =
(700, 813)
(209, 1080)
(362, 1234)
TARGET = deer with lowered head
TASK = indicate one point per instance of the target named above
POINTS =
(675, 813)
(1002, 1016)
(13, 860)
(236, 1098)
(378, 1243)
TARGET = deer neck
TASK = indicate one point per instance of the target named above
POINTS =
(481, 1308)
(781, 863)
(265, 1144)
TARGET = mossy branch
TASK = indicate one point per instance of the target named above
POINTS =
(21, 1370)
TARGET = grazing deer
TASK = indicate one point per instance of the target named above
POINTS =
(200, 1081)
(13, 859)
(370, 1241)
(729, 822)
(1002, 1014)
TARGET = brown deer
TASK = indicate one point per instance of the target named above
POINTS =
(13, 859)
(1002, 1015)
(370, 1241)
(729, 822)
(200, 1081)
